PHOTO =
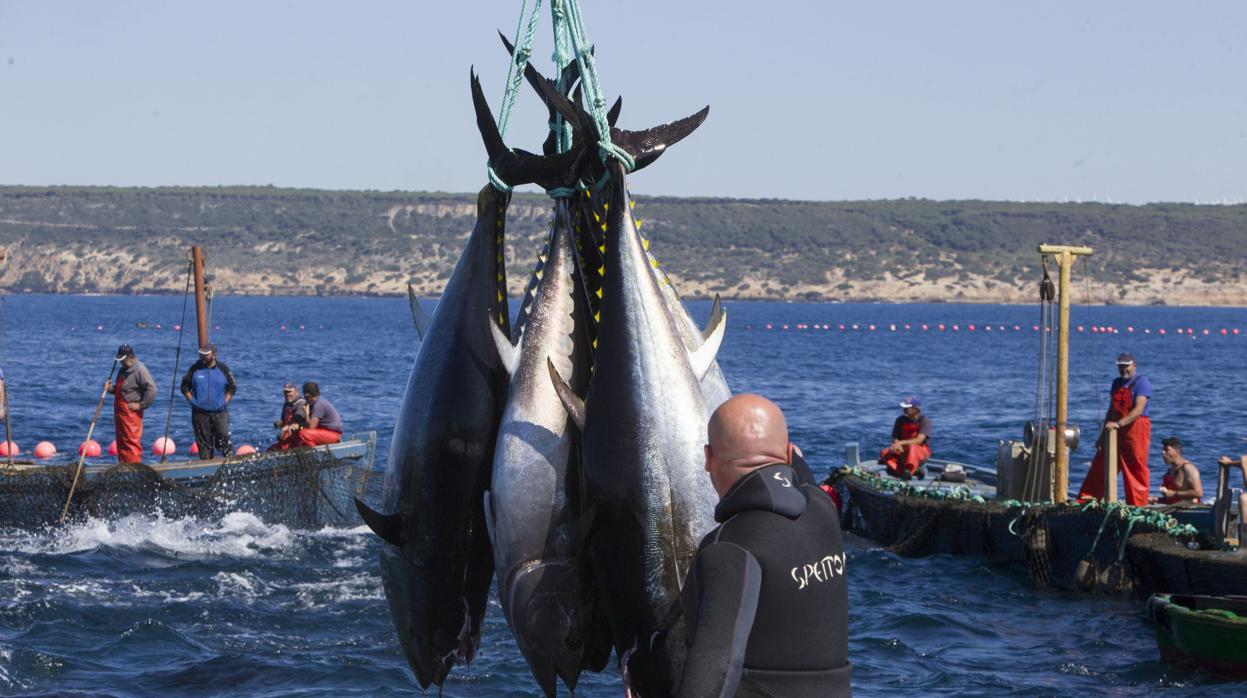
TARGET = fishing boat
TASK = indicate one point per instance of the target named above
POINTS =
(1020, 512)
(306, 487)
(1206, 632)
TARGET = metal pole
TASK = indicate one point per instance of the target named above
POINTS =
(201, 310)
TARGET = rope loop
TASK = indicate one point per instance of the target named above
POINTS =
(495, 180)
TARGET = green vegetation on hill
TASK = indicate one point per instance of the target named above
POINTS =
(269, 240)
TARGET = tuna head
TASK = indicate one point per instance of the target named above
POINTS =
(437, 566)
(535, 506)
(644, 422)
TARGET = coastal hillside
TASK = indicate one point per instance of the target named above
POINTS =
(265, 240)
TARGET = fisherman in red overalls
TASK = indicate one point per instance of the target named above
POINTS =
(134, 391)
(1128, 416)
(911, 442)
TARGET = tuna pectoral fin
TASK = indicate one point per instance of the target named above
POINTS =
(584, 527)
(716, 317)
(701, 360)
(388, 526)
(418, 316)
(489, 519)
(507, 352)
(571, 401)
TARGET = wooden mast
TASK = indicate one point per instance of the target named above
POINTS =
(1064, 256)
(201, 306)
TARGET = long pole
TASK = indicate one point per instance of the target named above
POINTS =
(8, 429)
(82, 452)
(1065, 258)
(201, 309)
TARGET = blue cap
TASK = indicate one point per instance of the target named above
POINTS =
(911, 401)
(123, 352)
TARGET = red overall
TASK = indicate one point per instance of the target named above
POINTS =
(1170, 483)
(1133, 441)
(128, 424)
(316, 437)
(912, 456)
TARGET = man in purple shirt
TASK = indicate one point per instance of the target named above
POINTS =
(324, 426)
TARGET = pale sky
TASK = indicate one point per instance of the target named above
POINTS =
(1123, 101)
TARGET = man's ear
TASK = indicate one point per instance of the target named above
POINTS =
(788, 454)
(709, 453)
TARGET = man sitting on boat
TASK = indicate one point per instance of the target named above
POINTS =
(293, 417)
(324, 426)
(133, 392)
(911, 442)
(1181, 484)
(1127, 415)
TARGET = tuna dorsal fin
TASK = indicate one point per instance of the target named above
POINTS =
(701, 359)
(508, 352)
(489, 520)
(388, 526)
(418, 315)
(716, 317)
(571, 401)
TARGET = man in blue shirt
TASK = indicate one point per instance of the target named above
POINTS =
(1127, 416)
(209, 386)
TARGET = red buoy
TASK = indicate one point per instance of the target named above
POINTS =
(90, 448)
(194, 448)
(45, 449)
(244, 450)
(8, 448)
(112, 447)
(164, 446)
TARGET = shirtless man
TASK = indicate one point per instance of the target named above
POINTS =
(1181, 484)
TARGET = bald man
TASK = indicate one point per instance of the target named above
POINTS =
(766, 601)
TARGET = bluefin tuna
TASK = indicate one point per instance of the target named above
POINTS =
(643, 424)
(535, 508)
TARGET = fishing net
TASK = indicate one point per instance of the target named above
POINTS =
(302, 488)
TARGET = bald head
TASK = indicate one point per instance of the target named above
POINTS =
(745, 432)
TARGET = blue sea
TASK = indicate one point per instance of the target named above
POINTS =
(157, 607)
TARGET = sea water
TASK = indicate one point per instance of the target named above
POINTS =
(153, 607)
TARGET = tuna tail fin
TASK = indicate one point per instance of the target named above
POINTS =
(507, 352)
(646, 146)
(701, 360)
(571, 402)
(418, 316)
(716, 317)
(613, 115)
(515, 166)
(388, 526)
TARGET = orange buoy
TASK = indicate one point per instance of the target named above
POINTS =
(90, 448)
(8, 448)
(244, 450)
(112, 447)
(45, 449)
(164, 446)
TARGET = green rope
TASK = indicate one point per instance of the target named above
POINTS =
(515, 75)
(593, 88)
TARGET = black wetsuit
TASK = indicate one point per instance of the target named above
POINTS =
(766, 601)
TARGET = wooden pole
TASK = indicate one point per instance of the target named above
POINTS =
(82, 451)
(1110, 467)
(1064, 255)
(201, 306)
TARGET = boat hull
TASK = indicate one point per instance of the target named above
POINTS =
(300, 488)
(1055, 544)
(1202, 631)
